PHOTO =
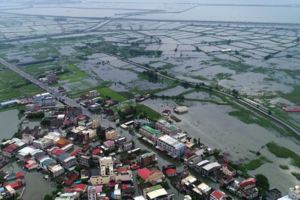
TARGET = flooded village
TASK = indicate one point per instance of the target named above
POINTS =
(148, 101)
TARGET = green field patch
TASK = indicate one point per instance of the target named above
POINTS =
(42, 69)
(73, 74)
(145, 111)
(237, 66)
(131, 108)
(250, 118)
(109, 93)
(254, 164)
(13, 86)
(199, 77)
(283, 152)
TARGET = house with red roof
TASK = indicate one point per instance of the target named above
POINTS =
(171, 171)
(218, 195)
(152, 176)
(81, 188)
(10, 150)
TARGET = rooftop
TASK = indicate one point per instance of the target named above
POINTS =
(168, 125)
(171, 141)
(26, 151)
(157, 193)
(217, 194)
(211, 166)
(151, 130)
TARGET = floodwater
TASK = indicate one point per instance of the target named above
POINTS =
(221, 10)
(8, 123)
(212, 124)
(36, 186)
(233, 14)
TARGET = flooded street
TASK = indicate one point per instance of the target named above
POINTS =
(36, 186)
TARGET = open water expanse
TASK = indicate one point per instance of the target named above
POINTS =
(275, 11)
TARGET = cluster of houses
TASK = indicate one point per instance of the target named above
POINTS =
(170, 139)
(166, 137)
(94, 102)
(97, 163)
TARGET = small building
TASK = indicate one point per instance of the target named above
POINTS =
(173, 147)
(46, 161)
(127, 146)
(44, 99)
(62, 142)
(248, 189)
(111, 134)
(109, 145)
(83, 159)
(10, 150)
(167, 128)
(151, 176)
(93, 94)
(25, 153)
(94, 192)
(189, 180)
(42, 143)
(56, 170)
(210, 168)
(67, 161)
(123, 176)
(139, 198)
(156, 192)
(106, 172)
(68, 196)
(8, 103)
(181, 109)
(147, 159)
(31, 165)
(200, 164)
(204, 189)
(150, 134)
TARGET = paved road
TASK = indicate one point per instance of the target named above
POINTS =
(98, 26)
(65, 100)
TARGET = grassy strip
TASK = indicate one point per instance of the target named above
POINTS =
(254, 164)
(282, 152)
(109, 93)
(297, 175)
(249, 118)
(151, 114)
